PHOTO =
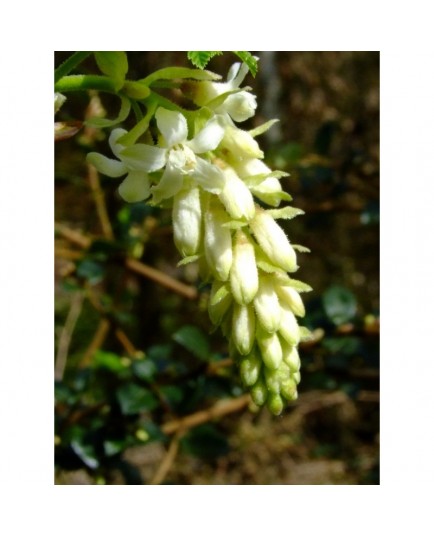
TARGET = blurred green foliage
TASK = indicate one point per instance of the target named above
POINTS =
(141, 356)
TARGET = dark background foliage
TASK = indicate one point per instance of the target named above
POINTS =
(133, 356)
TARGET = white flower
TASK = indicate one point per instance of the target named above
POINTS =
(244, 272)
(136, 186)
(240, 105)
(187, 220)
(178, 158)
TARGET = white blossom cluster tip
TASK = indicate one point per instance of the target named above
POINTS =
(218, 187)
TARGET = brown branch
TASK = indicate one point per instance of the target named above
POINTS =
(220, 408)
(162, 279)
(134, 265)
(76, 237)
(98, 197)
(128, 346)
(168, 459)
(97, 341)
(66, 335)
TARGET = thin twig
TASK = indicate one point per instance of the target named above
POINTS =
(168, 459)
(222, 407)
(97, 341)
(134, 265)
(163, 279)
(98, 197)
(66, 334)
(128, 346)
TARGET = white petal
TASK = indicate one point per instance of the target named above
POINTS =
(236, 197)
(172, 125)
(208, 176)
(113, 141)
(107, 166)
(218, 242)
(233, 71)
(144, 157)
(169, 185)
(240, 106)
(135, 187)
(208, 138)
(240, 75)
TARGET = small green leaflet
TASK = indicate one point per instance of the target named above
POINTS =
(201, 59)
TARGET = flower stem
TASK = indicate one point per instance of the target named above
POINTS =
(77, 82)
(69, 64)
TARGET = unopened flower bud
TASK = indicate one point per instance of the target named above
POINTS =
(250, 368)
(271, 349)
(236, 197)
(267, 305)
(244, 272)
(259, 393)
(289, 328)
(187, 216)
(243, 328)
(291, 298)
(240, 143)
(218, 242)
(273, 241)
(275, 404)
(288, 389)
(290, 356)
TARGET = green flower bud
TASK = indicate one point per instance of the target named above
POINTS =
(288, 389)
(275, 404)
(244, 272)
(243, 328)
(267, 305)
(250, 368)
(273, 241)
(187, 217)
(259, 393)
(297, 377)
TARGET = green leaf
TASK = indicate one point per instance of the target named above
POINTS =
(133, 399)
(114, 65)
(144, 369)
(85, 452)
(90, 270)
(194, 340)
(340, 305)
(200, 59)
(108, 360)
(102, 122)
(249, 60)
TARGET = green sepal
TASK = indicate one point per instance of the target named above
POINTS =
(220, 295)
(301, 249)
(101, 122)
(305, 334)
(297, 285)
(114, 65)
(188, 260)
(234, 225)
(286, 213)
(262, 128)
(256, 180)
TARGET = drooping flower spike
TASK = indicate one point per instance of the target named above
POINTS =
(218, 185)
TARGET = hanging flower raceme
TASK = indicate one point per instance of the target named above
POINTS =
(218, 187)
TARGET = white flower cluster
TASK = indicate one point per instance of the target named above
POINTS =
(215, 181)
